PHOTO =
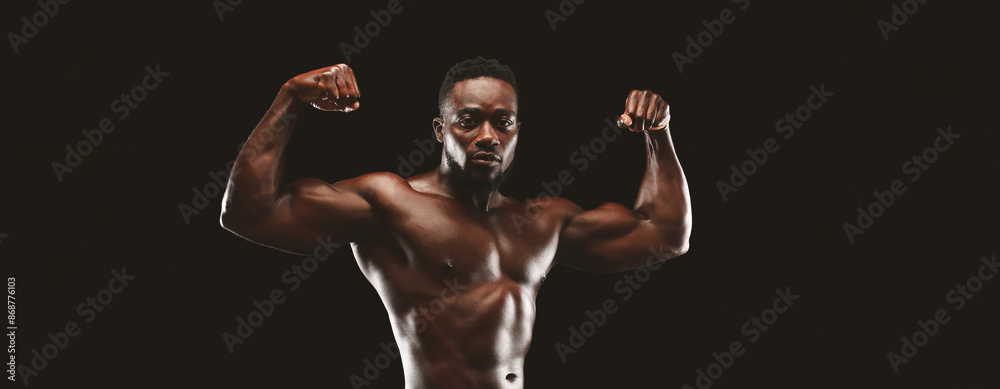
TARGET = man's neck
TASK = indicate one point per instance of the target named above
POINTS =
(453, 187)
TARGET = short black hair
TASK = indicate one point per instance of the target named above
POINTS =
(473, 68)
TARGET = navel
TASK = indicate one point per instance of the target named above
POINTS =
(450, 264)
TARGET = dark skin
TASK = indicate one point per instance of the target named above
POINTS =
(457, 267)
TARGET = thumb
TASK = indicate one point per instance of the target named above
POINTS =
(624, 121)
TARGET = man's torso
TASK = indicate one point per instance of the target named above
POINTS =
(459, 283)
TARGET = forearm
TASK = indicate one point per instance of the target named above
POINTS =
(256, 182)
(663, 198)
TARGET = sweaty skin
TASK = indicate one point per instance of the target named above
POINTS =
(457, 266)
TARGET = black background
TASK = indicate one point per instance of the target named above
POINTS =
(783, 228)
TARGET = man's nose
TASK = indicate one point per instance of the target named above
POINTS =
(487, 137)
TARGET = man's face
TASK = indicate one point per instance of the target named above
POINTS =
(479, 131)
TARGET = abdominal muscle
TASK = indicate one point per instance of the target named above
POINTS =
(477, 339)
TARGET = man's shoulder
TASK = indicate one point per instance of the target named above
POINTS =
(377, 183)
(381, 178)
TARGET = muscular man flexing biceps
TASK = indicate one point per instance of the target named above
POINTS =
(448, 236)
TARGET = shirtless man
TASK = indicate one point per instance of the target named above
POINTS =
(447, 240)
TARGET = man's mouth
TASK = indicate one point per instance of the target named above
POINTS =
(485, 158)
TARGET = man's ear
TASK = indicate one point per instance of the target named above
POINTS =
(438, 125)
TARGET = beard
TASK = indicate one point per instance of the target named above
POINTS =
(473, 184)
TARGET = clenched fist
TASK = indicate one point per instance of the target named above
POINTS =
(644, 111)
(330, 89)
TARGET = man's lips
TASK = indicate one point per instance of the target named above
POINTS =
(485, 158)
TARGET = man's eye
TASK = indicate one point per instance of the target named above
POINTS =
(505, 123)
(466, 122)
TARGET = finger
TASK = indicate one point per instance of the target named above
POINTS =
(624, 121)
(630, 106)
(654, 112)
(322, 84)
(641, 120)
(342, 87)
(348, 92)
(324, 106)
(331, 85)
(328, 91)
(356, 91)
(663, 115)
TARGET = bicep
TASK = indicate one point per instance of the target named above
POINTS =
(608, 239)
(311, 209)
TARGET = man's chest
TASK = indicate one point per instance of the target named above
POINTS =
(514, 242)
